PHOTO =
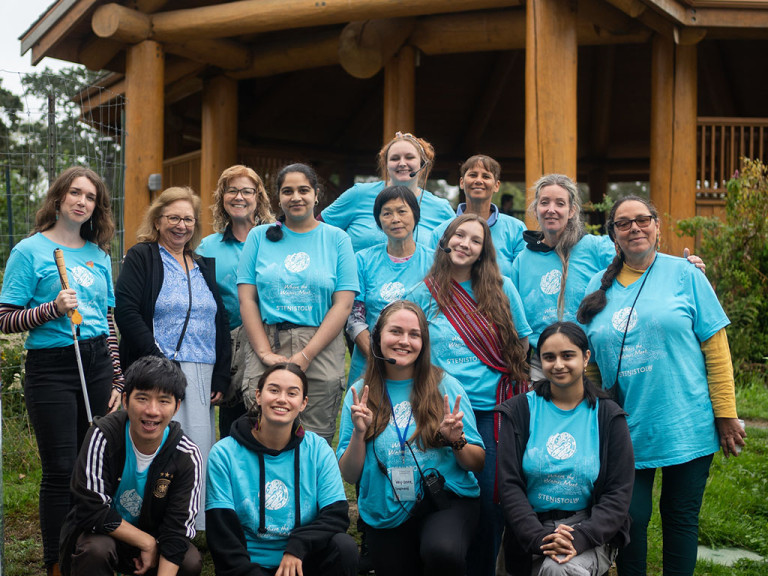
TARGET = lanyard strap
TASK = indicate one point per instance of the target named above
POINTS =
(402, 436)
(189, 308)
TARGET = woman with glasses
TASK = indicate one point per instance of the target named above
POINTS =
(404, 161)
(168, 304)
(240, 202)
(658, 332)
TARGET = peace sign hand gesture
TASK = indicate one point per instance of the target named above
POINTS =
(362, 417)
(452, 426)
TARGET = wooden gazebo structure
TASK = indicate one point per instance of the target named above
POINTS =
(666, 91)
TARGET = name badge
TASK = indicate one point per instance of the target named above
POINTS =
(405, 486)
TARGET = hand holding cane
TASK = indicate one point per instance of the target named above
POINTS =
(75, 319)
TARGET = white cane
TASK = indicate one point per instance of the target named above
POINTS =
(75, 319)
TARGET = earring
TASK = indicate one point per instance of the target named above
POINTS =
(91, 221)
(57, 214)
(658, 241)
(317, 201)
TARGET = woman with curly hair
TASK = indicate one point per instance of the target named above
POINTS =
(480, 335)
(76, 217)
(406, 426)
(240, 202)
(403, 161)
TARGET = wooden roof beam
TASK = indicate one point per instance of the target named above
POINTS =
(256, 16)
(366, 46)
(42, 39)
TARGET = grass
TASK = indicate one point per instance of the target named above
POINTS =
(734, 513)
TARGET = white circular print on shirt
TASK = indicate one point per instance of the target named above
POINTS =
(619, 320)
(550, 282)
(297, 262)
(402, 414)
(131, 501)
(82, 276)
(392, 291)
(276, 494)
(561, 446)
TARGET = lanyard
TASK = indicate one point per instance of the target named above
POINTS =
(401, 436)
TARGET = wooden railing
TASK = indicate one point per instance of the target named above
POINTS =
(722, 143)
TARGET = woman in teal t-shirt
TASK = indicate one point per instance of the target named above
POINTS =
(75, 217)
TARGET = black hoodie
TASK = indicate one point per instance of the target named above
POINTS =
(226, 538)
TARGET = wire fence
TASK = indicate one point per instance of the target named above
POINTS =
(59, 120)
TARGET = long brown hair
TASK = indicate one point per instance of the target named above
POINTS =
(426, 400)
(147, 231)
(263, 213)
(99, 228)
(487, 287)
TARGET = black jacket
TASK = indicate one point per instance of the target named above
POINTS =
(171, 497)
(608, 520)
(226, 539)
(136, 292)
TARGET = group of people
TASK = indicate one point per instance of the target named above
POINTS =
(509, 391)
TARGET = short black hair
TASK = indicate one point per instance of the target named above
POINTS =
(155, 373)
(393, 193)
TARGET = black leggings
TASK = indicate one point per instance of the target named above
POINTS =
(54, 399)
(428, 543)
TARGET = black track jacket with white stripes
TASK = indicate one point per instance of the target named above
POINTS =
(171, 497)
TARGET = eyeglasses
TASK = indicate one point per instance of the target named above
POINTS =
(246, 192)
(626, 224)
(174, 220)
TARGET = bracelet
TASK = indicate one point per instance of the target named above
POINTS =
(305, 357)
(118, 387)
(458, 445)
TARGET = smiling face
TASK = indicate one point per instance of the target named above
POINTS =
(402, 159)
(562, 362)
(281, 399)
(479, 184)
(638, 244)
(149, 413)
(175, 236)
(554, 209)
(466, 244)
(396, 219)
(297, 197)
(79, 201)
(401, 340)
(240, 198)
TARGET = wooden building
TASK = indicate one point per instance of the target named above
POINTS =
(671, 92)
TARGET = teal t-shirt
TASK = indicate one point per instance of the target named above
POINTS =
(376, 502)
(234, 480)
(451, 353)
(663, 380)
(296, 276)
(130, 491)
(506, 234)
(227, 253)
(562, 458)
(383, 281)
(353, 213)
(537, 275)
(31, 279)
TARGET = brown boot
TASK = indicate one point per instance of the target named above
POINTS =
(53, 570)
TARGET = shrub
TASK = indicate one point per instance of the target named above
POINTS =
(736, 253)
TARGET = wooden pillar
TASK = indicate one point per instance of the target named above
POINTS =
(144, 71)
(673, 138)
(399, 93)
(550, 90)
(218, 148)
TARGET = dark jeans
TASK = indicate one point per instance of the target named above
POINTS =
(486, 541)
(433, 543)
(54, 400)
(682, 489)
(102, 555)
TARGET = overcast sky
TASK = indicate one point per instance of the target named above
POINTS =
(13, 23)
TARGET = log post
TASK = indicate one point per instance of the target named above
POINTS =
(366, 46)
(673, 138)
(399, 93)
(218, 149)
(550, 91)
(145, 70)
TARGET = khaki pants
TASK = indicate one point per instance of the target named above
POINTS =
(325, 376)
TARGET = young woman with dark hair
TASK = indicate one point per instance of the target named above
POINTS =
(275, 501)
(296, 283)
(658, 332)
(76, 218)
(404, 426)
(479, 334)
(565, 467)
